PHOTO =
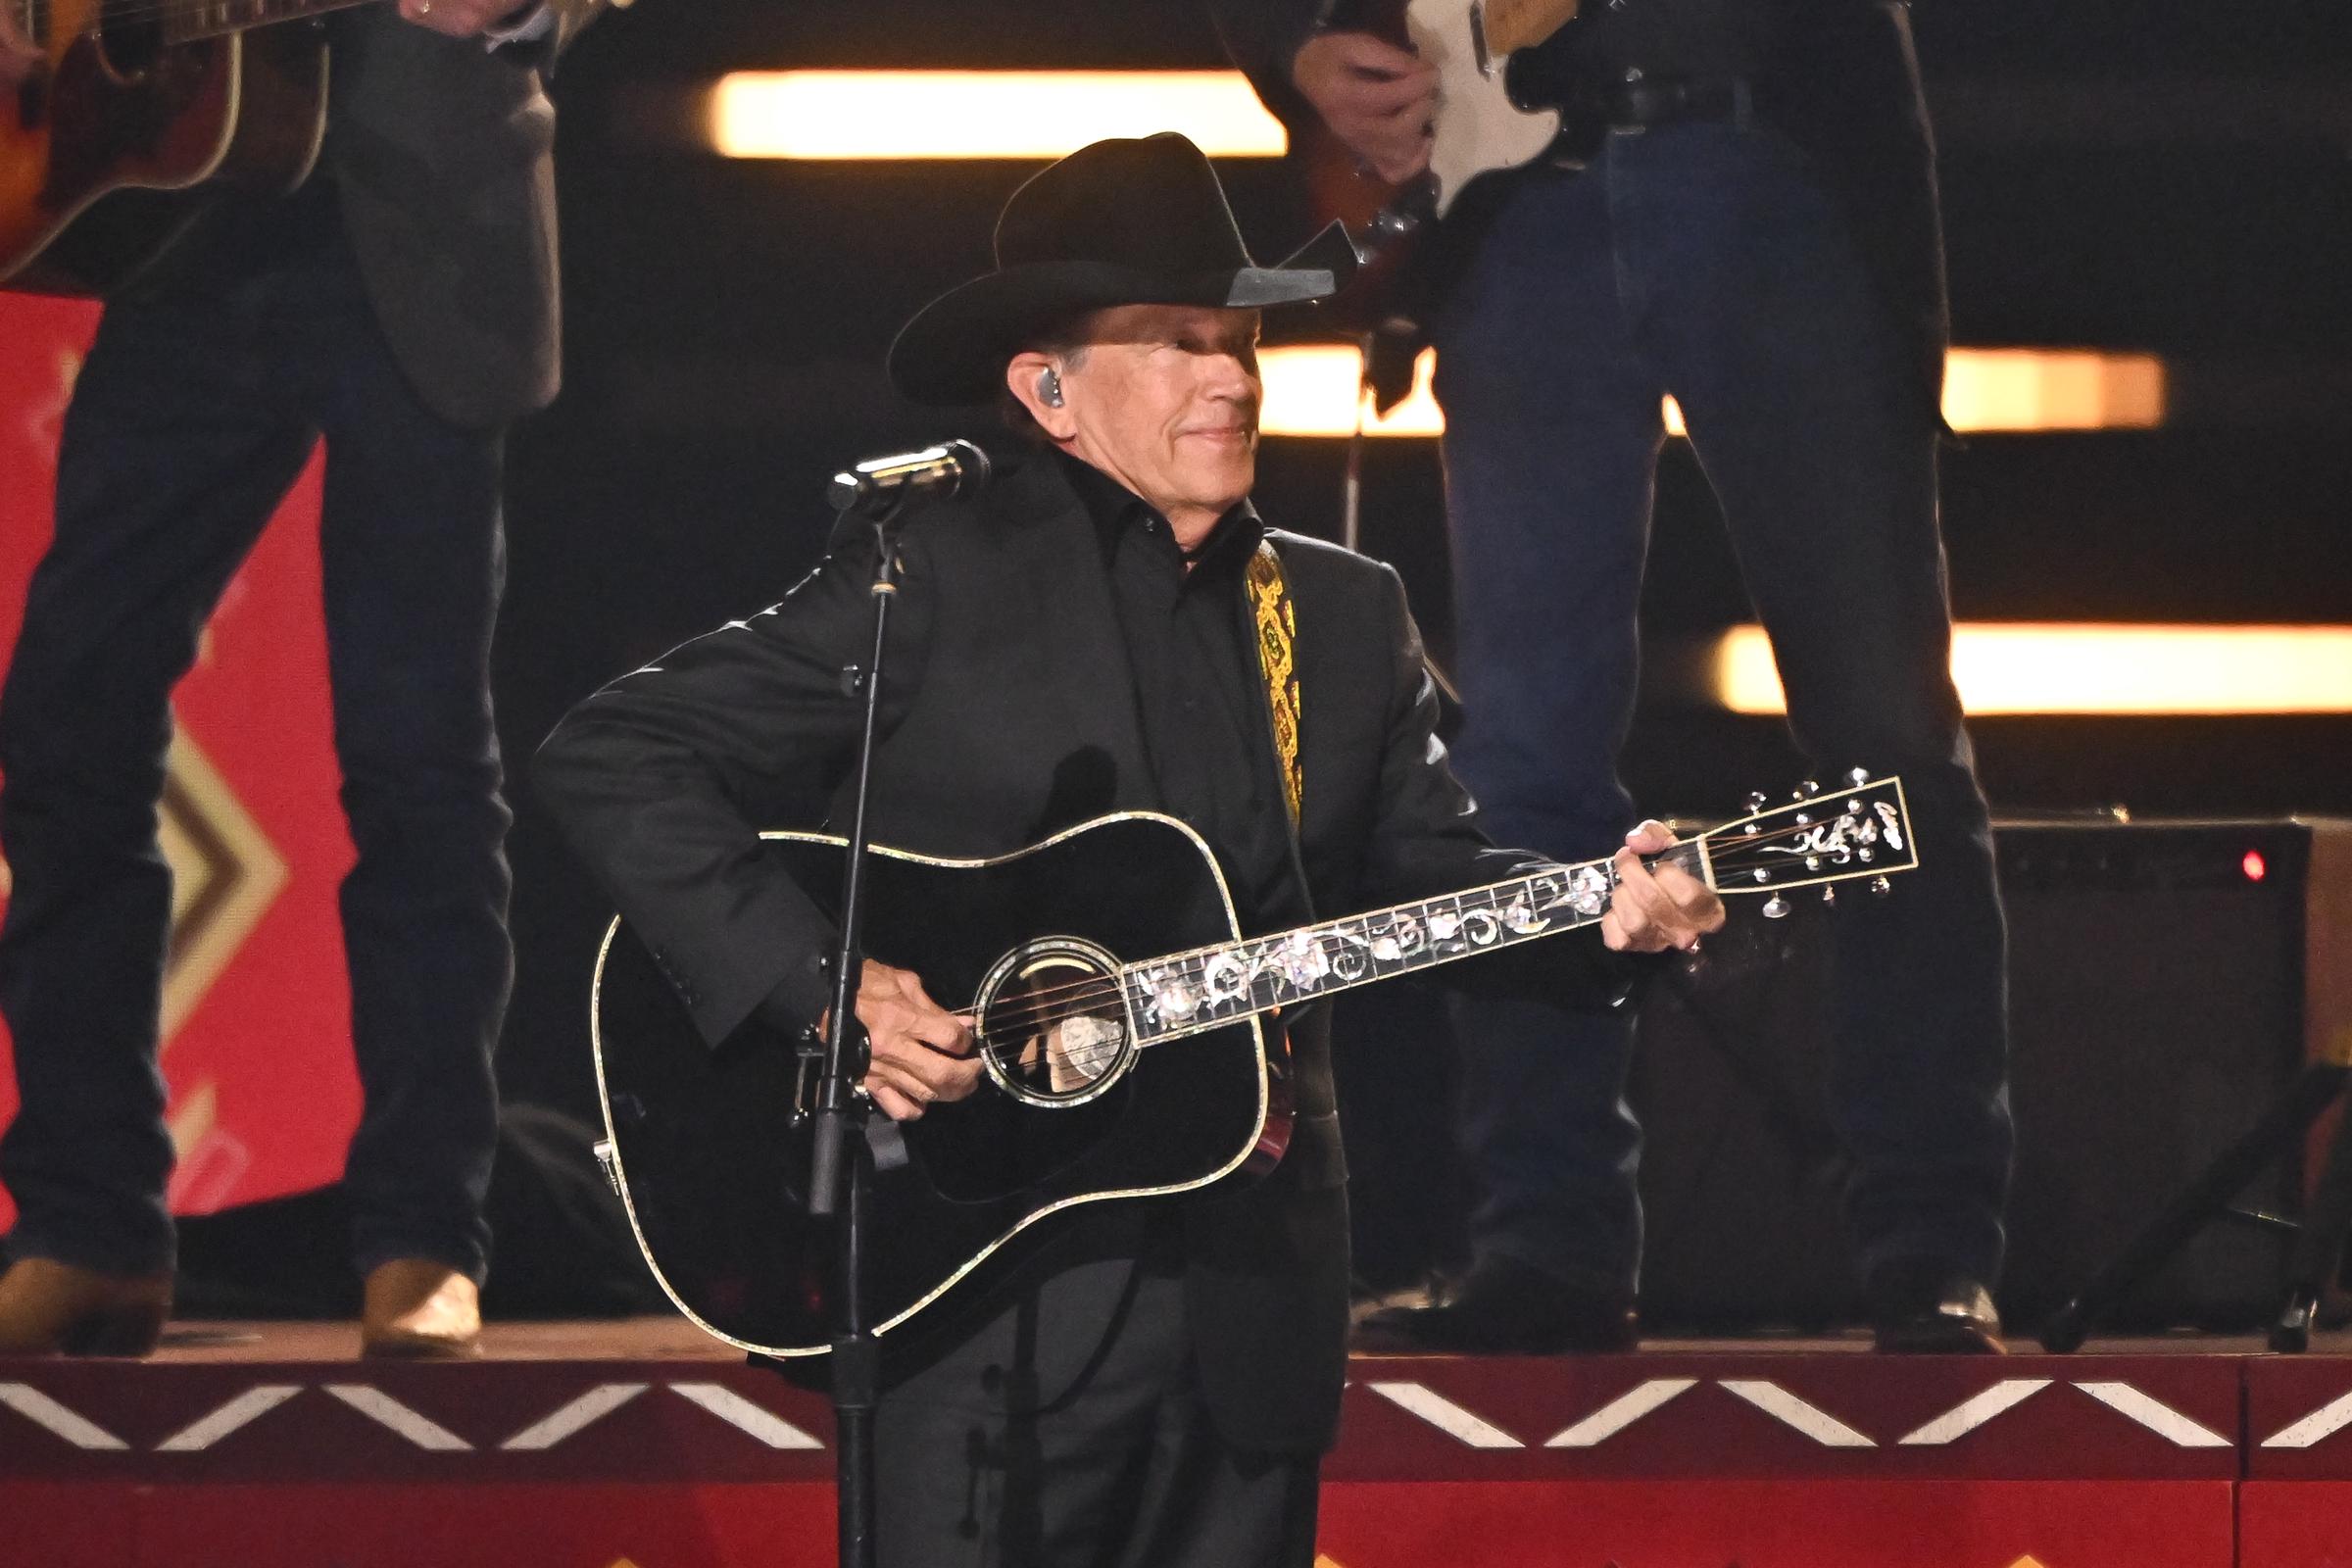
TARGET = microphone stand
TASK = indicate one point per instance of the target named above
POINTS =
(841, 1162)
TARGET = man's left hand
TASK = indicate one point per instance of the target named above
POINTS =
(1656, 909)
(460, 18)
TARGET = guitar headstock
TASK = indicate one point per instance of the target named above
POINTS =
(1861, 829)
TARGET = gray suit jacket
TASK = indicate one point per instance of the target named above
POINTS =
(442, 152)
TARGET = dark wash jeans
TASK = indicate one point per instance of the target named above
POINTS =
(196, 410)
(1704, 260)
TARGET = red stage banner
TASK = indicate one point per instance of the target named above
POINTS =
(256, 1009)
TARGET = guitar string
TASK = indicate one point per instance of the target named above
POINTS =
(1052, 1004)
(1055, 1004)
(1039, 1009)
(1727, 856)
(166, 11)
(1059, 1003)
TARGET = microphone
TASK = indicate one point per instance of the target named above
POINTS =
(951, 469)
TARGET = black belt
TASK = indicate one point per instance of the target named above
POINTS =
(1665, 100)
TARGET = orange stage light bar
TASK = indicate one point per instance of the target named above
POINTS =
(2079, 667)
(918, 115)
(1312, 391)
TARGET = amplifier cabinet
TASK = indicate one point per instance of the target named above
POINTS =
(2167, 980)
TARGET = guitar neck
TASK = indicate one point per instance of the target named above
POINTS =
(1860, 832)
(1190, 993)
(186, 20)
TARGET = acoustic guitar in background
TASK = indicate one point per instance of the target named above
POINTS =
(142, 109)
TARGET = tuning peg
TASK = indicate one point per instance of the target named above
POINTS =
(1858, 776)
(1808, 789)
(1756, 800)
(1776, 907)
(1880, 886)
(1829, 896)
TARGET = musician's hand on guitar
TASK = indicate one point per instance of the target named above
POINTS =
(459, 19)
(1377, 98)
(920, 1052)
(1656, 909)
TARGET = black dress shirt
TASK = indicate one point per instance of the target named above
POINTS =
(1197, 686)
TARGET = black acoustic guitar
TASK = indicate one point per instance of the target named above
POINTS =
(1116, 1008)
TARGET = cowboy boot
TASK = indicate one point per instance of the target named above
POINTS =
(418, 1308)
(51, 1308)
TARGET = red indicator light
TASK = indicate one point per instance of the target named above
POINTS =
(2254, 865)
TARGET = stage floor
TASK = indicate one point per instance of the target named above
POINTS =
(645, 1444)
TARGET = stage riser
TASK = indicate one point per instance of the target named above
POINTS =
(1686, 1524)
(1666, 1459)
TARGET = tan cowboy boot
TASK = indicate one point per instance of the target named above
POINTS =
(418, 1308)
(53, 1308)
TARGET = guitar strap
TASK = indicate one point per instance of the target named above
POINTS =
(1277, 638)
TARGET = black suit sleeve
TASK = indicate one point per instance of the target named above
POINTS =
(663, 780)
(1426, 840)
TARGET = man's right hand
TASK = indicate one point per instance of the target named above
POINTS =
(920, 1052)
(19, 58)
(1377, 98)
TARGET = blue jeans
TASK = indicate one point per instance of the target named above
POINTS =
(1703, 258)
(196, 410)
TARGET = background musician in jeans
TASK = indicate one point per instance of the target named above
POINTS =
(1757, 236)
(402, 306)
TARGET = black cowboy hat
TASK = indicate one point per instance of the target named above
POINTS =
(1118, 222)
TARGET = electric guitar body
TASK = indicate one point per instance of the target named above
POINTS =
(1488, 118)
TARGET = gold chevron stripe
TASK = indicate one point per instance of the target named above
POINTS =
(226, 873)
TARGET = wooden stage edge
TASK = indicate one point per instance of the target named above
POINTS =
(646, 1444)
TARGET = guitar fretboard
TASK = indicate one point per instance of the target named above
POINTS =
(1190, 993)
(185, 21)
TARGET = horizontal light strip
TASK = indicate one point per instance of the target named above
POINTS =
(1312, 391)
(981, 113)
(1315, 390)
(2082, 668)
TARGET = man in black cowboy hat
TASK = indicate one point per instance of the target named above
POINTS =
(1079, 639)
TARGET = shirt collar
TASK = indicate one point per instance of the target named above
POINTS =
(1116, 510)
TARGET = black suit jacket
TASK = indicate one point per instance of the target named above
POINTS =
(1843, 84)
(1010, 713)
(441, 150)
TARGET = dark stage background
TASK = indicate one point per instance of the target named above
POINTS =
(2148, 174)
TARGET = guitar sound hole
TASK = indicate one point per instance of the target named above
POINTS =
(1053, 1029)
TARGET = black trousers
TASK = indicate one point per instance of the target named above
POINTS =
(197, 407)
(1066, 1431)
